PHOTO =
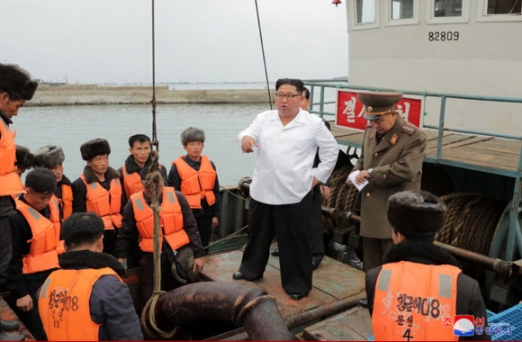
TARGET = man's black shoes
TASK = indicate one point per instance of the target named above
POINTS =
(275, 252)
(296, 296)
(237, 276)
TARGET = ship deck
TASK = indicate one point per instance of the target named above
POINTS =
(474, 152)
(336, 288)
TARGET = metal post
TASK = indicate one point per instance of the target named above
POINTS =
(441, 127)
(321, 104)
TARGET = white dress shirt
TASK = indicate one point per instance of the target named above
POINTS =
(283, 172)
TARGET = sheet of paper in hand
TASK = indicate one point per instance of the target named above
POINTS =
(351, 178)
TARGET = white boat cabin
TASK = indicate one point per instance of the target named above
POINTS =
(471, 47)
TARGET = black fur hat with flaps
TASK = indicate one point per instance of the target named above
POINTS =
(16, 82)
(49, 156)
(24, 158)
(95, 147)
(192, 134)
(415, 213)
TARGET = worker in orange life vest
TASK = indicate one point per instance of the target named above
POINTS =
(52, 157)
(140, 148)
(16, 87)
(86, 300)
(418, 291)
(35, 229)
(99, 190)
(181, 245)
(195, 176)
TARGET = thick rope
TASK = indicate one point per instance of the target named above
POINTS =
(154, 183)
(470, 223)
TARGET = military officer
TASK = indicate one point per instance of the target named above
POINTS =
(391, 160)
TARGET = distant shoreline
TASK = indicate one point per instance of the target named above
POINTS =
(93, 94)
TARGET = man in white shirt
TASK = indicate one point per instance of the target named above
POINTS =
(287, 140)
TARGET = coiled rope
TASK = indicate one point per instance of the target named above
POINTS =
(471, 220)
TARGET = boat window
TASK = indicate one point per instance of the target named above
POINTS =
(448, 11)
(365, 11)
(401, 9)
(504, 7)
(402, 12)
(500, 10)
(365, 14)
(447, 8)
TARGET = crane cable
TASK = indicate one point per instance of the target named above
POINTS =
(263, 52)
(153, 102)
(154, 183)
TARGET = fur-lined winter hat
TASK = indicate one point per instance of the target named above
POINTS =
(16, 82)
(192, 134)
(415, 213)
(95, 147)
(49, 156)
(24, 158)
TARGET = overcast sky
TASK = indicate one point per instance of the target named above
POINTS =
(109, 41)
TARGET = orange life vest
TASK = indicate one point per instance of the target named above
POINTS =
(64, 307)
(43, 253)
(66, 201)
(10, 182)
(412, 301)
(196, 185)
(106, 204)
(131, 182)
(171, 221)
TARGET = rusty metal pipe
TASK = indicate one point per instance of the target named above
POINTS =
(498, 265)
(336, 214)
(251, 308)
(314, 314)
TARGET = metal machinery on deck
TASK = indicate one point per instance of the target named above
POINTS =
(478, 175)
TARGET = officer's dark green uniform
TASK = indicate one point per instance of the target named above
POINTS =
(394, 160)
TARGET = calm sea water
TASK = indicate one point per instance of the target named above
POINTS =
(70, 126)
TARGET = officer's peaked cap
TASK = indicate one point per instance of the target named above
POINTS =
(378, 103)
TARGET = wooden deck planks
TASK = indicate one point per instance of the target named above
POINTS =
(353, 324)
(333, 281)
(476, 150)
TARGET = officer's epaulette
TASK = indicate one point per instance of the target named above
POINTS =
(409, 128)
